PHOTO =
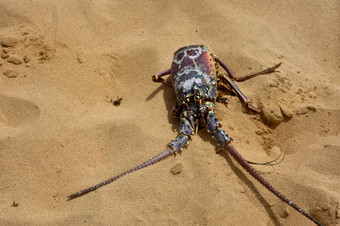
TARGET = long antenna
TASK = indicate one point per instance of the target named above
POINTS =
(234, 153)
(150, 162)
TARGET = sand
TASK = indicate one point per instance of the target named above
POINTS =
(64, 63)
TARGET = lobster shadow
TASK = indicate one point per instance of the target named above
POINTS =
(244, 177)
(251, 186)
(169, 100)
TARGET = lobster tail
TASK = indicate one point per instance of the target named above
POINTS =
(150, 162)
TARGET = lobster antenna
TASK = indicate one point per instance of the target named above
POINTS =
(272, 162)
(150, 162)
(236, 155)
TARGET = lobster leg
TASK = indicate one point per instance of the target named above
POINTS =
(158, 77)
(244, 99)
(225, 142)
(251, 75)
(245, 77)
(229, 79)
(225, 67)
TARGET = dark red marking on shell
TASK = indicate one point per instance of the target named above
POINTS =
(204, 62)
(191, 52)
(193, 73)
(188, 57)
(180, 56)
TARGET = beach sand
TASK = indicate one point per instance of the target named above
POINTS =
(63, 63)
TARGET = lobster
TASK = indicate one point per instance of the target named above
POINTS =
(198, 85)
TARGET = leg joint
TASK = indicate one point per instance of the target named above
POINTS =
(178, 143)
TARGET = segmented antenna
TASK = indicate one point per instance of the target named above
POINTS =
(234, 153)
(272, 162)
(150, 162)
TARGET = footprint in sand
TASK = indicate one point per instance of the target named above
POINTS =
(15, 112)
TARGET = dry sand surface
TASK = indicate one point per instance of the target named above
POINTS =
(64, 62)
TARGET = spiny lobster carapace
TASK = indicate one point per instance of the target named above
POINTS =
(197, 85)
